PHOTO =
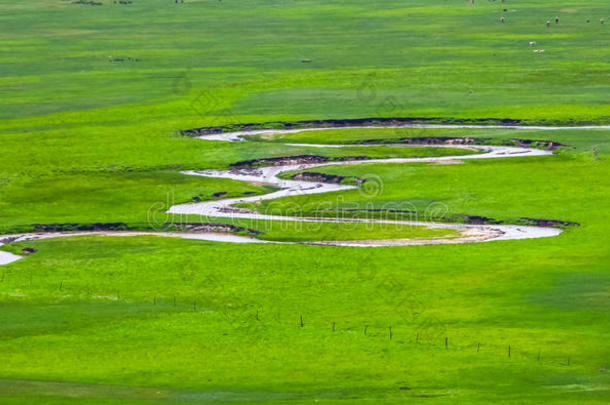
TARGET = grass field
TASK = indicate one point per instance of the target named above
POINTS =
(92, 99)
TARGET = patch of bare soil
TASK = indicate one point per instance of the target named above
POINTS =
(235, 210)
(439, 140)
(465, 141)
(28, 251)
(548, 223)
(213, 228)
(87, 3)
(8, 239)
(467, 236)
(532, 143)
(446, 162)
(476, 220)
(325, 178)
(364, 122)
(120, 226)
(292, 160)
(69, 227)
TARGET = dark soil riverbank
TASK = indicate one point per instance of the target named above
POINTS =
(383, 122)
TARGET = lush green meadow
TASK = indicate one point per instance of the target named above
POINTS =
(92, 99)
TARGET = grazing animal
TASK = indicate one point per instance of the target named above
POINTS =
(502, 20)
(532, 43)
(556, 20)
(548, 23)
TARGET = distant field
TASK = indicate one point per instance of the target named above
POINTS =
(175, 66)
(92, 102)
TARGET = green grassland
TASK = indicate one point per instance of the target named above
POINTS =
(92, 99)
(540, 187)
